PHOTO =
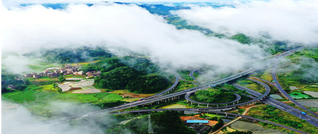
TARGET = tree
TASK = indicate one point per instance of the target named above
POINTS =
(218, 125)
(117, 78)
(61, 77)
(147, 84)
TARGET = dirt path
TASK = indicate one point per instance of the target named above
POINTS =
(229, 123)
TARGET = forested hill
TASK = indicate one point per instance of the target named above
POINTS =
(71, 55)
(138, 75)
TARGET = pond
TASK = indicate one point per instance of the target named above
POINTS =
(309, 103)
(255, 128)
(311, 93)
(275, 96)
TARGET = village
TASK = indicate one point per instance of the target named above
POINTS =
(80, 84)
(68, 70)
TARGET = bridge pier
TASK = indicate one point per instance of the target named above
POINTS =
(198, 104)
(158, 102)
(207, 105)
(191, 102)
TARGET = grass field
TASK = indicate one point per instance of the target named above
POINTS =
(251, 85)
(45, 80)
(298, 95)
(45, 92)
(183, 85)
(185, 75)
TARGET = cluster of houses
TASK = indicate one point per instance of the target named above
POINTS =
(45, 73)
(93, 73)
(66, 71)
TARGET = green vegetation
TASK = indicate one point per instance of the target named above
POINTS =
(298, 95)
(185, 75)
(61, 78)
(11, 82)
(69, 55)
(214, 95)
(117, 78)
(241, 38)
(35, 93)
(166, 122)
(44, 80)
(147, 84)
(182, 24)
(300, 71)
(273, 114)
(308, 52)
(278, 47)
(182, 85)
(252, 85)
(240, 132)
(104, 65)
(138, 75)
(218, 125)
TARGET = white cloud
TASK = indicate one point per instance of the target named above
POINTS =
(17, 119)
(296, 21)
(120, 26)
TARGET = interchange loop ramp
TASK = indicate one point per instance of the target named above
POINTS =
(191, 75)
(181, 93)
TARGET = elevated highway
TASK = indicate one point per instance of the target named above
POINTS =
(283, 92)
(179, 94)
(282, 106)
(215, 112)
(191, 75)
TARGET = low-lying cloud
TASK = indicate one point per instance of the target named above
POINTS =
(17, 120)
(303, 68)
(130, 27)
(292, 20)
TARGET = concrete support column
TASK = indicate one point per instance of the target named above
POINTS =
(207, 105)
(191, 102)
(158, 102)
